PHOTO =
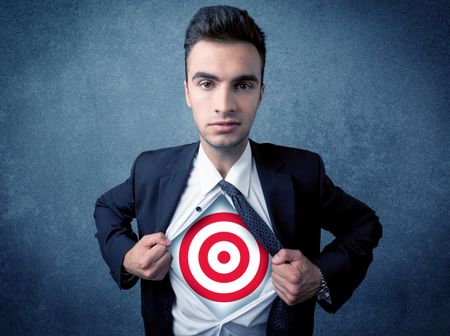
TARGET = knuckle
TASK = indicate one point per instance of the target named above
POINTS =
(158, 235)
(282, 253)
(144, 239)
(149, 274)
(294, 278)
(293, 292)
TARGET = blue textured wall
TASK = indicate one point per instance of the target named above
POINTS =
(87, 85)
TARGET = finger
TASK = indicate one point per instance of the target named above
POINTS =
(281, 282)
(164, 264)
(288, 272)
(282, 294)
(287, 292)
(145, 259)
(160, 268)
(153, 239)
(280, 270)
(291, 283)
(153, 254)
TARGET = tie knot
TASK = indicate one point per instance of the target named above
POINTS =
(230, 189)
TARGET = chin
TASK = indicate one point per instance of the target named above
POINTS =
(225, 143)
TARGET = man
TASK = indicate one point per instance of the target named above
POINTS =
(175, 193)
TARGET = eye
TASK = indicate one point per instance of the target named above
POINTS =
(244, 86)
(206, 84)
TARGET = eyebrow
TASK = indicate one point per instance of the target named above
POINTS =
(201, 74)
(205, 75)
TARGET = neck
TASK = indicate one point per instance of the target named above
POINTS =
(224, 158)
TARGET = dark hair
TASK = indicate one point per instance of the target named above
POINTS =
(224, 24)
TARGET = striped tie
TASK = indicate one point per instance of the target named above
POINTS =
(280, 316)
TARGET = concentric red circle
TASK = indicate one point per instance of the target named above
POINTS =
(209, 271)
(224, 277)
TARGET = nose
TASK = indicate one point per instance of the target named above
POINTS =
(225, 100)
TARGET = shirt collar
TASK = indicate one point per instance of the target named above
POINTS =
(239, 174)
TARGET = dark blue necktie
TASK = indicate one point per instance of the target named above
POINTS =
(280, 316)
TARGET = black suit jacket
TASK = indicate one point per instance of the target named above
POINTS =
(301, 200)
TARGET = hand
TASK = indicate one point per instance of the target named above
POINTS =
(149, 258)
(294, 277)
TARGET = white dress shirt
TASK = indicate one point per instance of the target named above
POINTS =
(193, 314)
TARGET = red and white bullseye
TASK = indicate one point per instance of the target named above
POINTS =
(221, 260)
(223, 257)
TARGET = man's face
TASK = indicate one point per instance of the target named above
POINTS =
(224, 90)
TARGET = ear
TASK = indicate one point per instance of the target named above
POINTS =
(261, 93)
(186, 94)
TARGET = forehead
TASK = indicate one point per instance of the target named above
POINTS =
(224, 59)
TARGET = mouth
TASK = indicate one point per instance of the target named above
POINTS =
(225, 126)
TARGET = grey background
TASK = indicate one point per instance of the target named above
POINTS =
(87, 85)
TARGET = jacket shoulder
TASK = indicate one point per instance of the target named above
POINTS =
(274, 148)
(288, 156)
(164, 156)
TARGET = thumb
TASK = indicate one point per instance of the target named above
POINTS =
(286, 256)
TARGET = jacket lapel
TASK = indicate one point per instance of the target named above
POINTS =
(278, 192)
(172, 185)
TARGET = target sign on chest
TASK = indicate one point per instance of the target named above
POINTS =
(220, 261)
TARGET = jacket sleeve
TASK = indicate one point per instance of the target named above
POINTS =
(357, 230)
(113, 214)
